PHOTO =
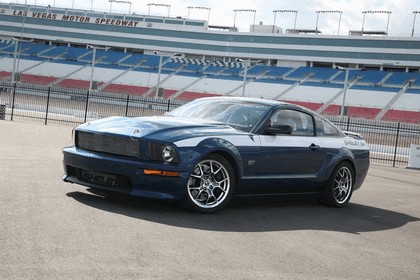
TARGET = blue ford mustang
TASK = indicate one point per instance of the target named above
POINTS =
(212, 149)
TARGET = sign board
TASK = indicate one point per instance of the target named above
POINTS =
(414, 158)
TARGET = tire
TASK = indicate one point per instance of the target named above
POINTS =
(211, 185)
(339, 188)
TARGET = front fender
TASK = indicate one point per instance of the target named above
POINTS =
(196, 153)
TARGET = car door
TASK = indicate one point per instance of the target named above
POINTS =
(290, 163)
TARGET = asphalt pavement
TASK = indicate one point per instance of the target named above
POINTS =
(54, 230)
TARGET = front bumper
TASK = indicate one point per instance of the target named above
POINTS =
(122, 175)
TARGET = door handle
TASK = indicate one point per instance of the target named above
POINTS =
(314, 147)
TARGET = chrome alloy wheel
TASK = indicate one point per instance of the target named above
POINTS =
(209, 184)
(343, 183)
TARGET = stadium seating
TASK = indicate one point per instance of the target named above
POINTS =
(37, 79)
(4, 74)
(372, 91)
(398, 79)
(133, 60)
(56, 52)
(112, 57)
(258, 70)
(72, 83)
(402, 116)
(75, 53)
(277, 72)
(125, 89)
(362, 112)
(188, 95)
(371, 77)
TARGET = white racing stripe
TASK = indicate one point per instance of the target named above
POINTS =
(280, 141)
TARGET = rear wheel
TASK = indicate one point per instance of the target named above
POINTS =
(211, 185)
(339, 189)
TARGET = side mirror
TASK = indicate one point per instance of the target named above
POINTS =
(278, 129)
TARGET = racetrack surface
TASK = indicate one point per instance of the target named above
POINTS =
(55, 230)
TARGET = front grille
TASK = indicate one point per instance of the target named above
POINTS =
(123, 146)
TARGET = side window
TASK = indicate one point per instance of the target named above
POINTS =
(301, 123)
(329, 129)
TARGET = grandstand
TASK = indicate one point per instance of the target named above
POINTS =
(383, 81)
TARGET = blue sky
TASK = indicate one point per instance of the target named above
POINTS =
(400, 20)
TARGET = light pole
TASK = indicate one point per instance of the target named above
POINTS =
(284, 11)
(205, 8)
(376, 12)
(94, 48)
(414, 22)
(345, 87)
(160, 5)
(159, 71)
(121, 2)
(189, 9)
(244, 10)
(328, 12)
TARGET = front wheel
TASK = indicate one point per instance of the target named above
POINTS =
(211, 185)
(339, 189)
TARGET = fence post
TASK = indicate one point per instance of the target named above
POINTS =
(396, 144)
(126, 106)
(169, 104)
(87, 103)
(48, 105)
(348, 124)
(13, 101)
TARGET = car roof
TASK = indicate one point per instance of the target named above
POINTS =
(247, 99)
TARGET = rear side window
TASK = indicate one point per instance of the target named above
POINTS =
(302, 124)
(329, 129)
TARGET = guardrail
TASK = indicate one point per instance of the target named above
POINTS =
(389, 142)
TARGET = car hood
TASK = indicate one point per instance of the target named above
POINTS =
(163, 128)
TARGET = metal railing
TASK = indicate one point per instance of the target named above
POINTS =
(389, 142)
(73, 106)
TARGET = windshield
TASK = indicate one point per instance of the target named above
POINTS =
(242, 115)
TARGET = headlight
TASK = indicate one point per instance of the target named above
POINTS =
(162, 152)
(168, 153)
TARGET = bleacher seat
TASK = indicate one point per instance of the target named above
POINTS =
(72, 83)
(332, 110)
(277, 72)
(352, 75)
(193, 67)
(212, 70)
(153, 61)
(234, 71)
(89, 56)
(322, 74)
(133, 60)
(309, 105)
(402, 116)
(125, 89)
(113, 57)
(257, 70)
(55, 52)
(189, 95)
(34, 49)
(371, 77)
(398, 79)
(171, 66)
(362, 112)
(75, 53)
(301, 73)
(37, 79)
